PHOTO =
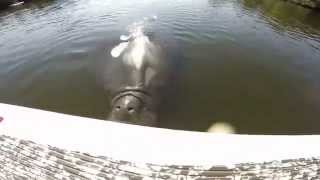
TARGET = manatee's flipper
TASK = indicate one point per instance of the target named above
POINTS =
(125, 38)
(116, 51)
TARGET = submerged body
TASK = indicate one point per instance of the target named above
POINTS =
(144, 71)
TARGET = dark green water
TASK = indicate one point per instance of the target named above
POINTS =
(252, 63)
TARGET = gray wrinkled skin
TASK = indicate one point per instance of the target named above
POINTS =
(22, 159)
(134, 107)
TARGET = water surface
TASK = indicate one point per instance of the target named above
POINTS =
(252, 63)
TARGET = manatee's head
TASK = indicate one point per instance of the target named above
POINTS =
(134, 107)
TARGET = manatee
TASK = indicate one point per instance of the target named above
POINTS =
(139, 75)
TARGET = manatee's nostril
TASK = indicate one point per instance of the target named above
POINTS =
(130, 109)
(118, 108)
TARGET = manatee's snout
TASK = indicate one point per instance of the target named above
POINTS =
(127, 108)
(133, 107)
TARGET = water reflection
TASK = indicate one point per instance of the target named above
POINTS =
(286, 16)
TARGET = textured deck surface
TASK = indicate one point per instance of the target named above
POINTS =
(22, 159)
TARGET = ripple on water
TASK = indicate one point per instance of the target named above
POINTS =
(240, 60)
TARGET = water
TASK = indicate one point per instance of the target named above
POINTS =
(252, 63)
